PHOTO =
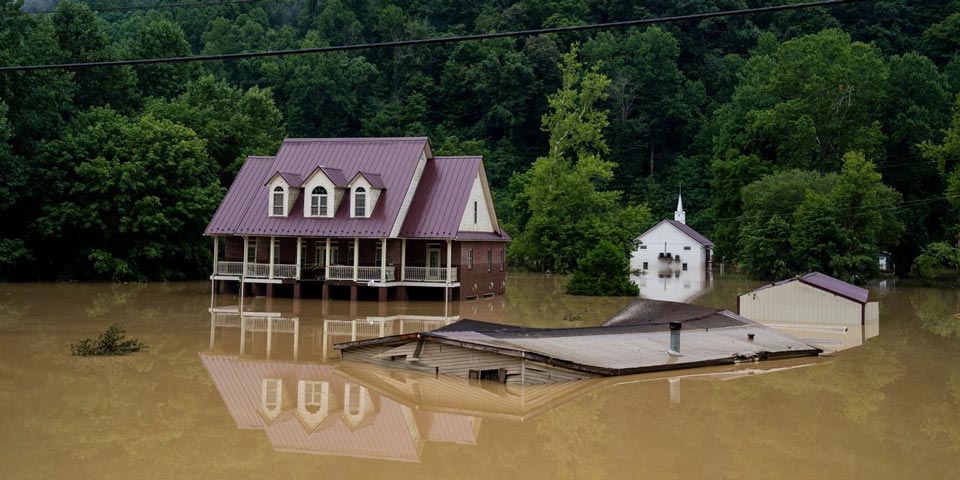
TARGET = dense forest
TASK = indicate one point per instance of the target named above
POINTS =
(808, 139)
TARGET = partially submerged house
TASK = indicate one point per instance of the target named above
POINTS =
(644, 337)
(374, 213)
(811, 299)
(672, 246)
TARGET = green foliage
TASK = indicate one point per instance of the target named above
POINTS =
(132, 194)
(800, 221)
(712, 106)
(605, 271)
(562, 207)
(109, 343)
(936, 258)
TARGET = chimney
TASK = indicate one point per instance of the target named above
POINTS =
(675, 338)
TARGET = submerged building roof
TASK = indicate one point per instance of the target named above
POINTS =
(635, 341)
(436, 198)
(826, 283)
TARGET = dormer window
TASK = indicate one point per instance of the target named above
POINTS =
(278, 208)
(360, 202)
(319, 202)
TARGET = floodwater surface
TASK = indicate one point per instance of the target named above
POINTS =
(262, 394)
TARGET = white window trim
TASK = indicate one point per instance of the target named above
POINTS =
(353, 201)
(273, 201)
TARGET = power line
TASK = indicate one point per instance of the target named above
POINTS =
(155, 6)
(433, 41)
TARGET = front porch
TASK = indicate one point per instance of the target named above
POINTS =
(370, 262)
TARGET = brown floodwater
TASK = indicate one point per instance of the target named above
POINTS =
(220, 395)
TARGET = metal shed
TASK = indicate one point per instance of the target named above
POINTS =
(811, 299)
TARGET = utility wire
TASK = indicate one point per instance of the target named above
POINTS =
(155, 6)
(435, 40)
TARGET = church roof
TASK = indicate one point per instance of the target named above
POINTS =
(686, 230)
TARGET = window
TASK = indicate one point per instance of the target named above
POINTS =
(360, 202)
(303, 252)
(379, 256)
(276, 250)
(335, 254)
(503, 259)
(351, 247)
(474, 212)
(469, 259)
(686, 248)
(684, 267)
(278, 201)
(318, 202)
(489, 260)
(252, 251)
(643, 247)
(645, 266)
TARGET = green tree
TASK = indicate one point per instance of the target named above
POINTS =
(605, 271)
(234, 123)
(564, 209)
(131, 196)
(162, 39)
(802, 104)
(941, 41)
(82, 37)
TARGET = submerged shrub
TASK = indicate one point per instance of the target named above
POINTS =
(111, 342)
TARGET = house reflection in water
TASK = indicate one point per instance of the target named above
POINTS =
(674, 285)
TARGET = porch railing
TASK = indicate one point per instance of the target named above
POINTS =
(430, 274)
(280, 270)
(364, 273)
(230, 268)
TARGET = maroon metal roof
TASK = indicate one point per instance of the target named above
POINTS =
(334, 174)
(244, 210)
(374, 179)
(292, 179)
(827, 283)
(690, 232)
(439, 202)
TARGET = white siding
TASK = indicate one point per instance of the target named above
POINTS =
(479, 198)
(665, 238)
(408, 198)
(373, 194)
(796, 303)
(290, 197)
(321, 180)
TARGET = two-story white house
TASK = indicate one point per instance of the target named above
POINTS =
(672, 246)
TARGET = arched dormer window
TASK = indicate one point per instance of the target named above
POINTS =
(360, 202)
(278, 203)
(318, 202)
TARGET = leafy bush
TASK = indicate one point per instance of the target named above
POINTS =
(604, 272)
(111, 342)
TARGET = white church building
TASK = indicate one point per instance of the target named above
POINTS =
(671, 246)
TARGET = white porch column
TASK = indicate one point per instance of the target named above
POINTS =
(299, 255)
(216, 252)
(449, 260)
(403, 260)
(356, 258)
(246, 246)
(326, 261)
(383, 260)
(271, 257)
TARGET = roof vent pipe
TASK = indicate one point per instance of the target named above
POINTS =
(675, 338)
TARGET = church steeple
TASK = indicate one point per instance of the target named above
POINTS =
(680, 215)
